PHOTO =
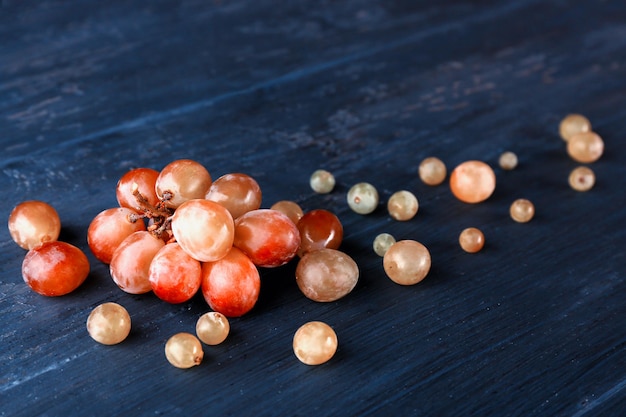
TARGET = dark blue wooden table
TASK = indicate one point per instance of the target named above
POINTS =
(532, 325)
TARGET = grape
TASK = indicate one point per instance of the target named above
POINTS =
(33, 222)
(144, 180)
(204, 229)
(314, 343)
(407, 262)
(326, 275)
(290, 208)
(174, 275)
(382, 243)
(109, 324)
(108, 229)
(55, 268)
(183, 180)
(184, 350)
(319, 229)
(239, 193)
(232, 284)
(130, 265)
(212, 328)
(268, 237)
(322, 181)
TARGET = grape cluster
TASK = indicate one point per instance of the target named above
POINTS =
(177, 233)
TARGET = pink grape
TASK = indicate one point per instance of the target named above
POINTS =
(185, 180)
(55, 268)
(239, 193)
(175, 276)
(232, 284)
(144, 179)
(267, 236)
(108, 229)
(130, 265)
(204, 229)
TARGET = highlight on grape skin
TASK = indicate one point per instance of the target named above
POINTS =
(204, 229)
(55, 268)
(109, 324)
(32, 223)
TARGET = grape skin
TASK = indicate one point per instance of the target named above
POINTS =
(319, 229)
(184, 350)
(175, 276)
(268, 237)
(204, 229)
(108, 229)
(232, 284)
(144, 179)
(326, 275)
(109, 324)
(55, 268)
(238, 192)
(185, 180)
(212, 328)
(33, 222)
(130, 265)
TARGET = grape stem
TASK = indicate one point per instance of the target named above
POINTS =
(151, 211)
(159, 229)
(160, 215)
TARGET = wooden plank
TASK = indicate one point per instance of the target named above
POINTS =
(366, 89)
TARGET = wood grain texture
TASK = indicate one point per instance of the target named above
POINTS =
(532, 325)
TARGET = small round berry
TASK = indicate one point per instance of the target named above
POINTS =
(585, 147)
(136, 182)
(322, 181)
(522, 210)
(32, 223)
(582, 178)
(182, 180)
(472, 181)
(212, 328)
(407, 262)
(238, 192)
(402, 205)
(432, 171)
(290, 208)
(319, 229)
(573, 124)
(382, 243)
(326, 275)
(314, 343)
(109, 324)
(472, 240)
(508, 161)
(184, 350)
(363, 198)
(55, 268)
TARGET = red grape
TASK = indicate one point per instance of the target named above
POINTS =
(144, 179)
(268, 237)
(239, 193)
(204, 229)
(130, 265)
(319, 229)
(55, 268)
(184, 180)
(232, 284)
(108, 229)
(175, 276)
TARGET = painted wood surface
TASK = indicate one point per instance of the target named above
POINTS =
(532, 325)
